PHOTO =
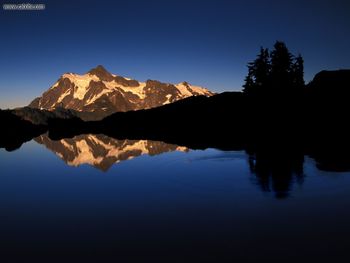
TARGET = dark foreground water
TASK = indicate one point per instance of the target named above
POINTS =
(92, 198)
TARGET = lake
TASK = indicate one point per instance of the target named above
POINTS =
(103, 199)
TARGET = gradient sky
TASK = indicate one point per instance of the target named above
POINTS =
(205, 42)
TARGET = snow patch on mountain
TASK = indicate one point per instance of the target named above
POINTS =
(200, 90)
(67, 145)
(81, 83)
(139, 90)
(183, 90)
(140, 145)
(85, 155)
(97, 96)
(167, 99)
(63, 96)
(188, 90)
(55, 85)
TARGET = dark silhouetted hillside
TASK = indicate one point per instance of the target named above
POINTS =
(15, 131)
(334, 83)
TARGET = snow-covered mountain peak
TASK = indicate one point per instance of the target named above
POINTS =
(100, 93)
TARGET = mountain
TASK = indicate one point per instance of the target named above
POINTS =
(102, 151)
(331, 83)
(99, 93)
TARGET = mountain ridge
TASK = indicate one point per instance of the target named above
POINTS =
(100, 93)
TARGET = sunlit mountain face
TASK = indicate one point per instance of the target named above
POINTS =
(99, 93)
(102, 151)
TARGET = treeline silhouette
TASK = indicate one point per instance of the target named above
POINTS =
(275, 73)
(277, 120)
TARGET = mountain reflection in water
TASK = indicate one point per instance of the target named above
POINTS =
(102, 151)
(275, 168)
(273, 171)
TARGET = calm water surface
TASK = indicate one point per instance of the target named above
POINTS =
(101, 199)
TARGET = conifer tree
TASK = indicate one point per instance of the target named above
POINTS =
(275, 72)
(298, 72)
(258, 72)
(281, 67)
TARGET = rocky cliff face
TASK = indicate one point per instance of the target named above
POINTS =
(99, 93)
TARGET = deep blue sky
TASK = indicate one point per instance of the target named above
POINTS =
(205, 42)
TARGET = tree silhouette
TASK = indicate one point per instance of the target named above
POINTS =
(249, 86)
(258, 72)
(281, 67)
(275, 72)
(298, 72)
